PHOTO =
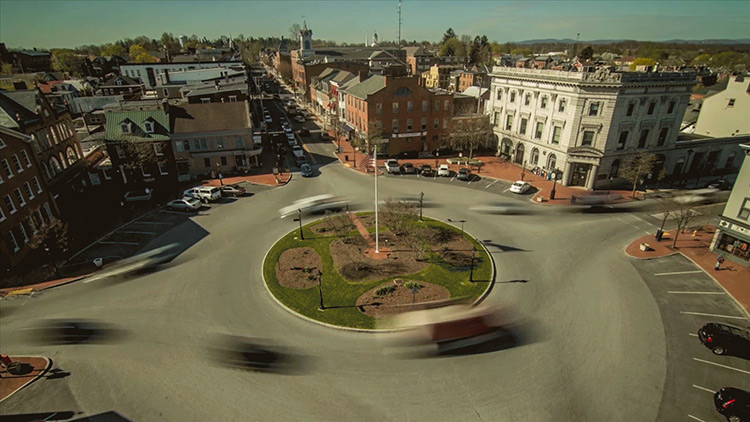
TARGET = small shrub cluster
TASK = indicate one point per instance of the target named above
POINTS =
(386, 290)
(411, 285)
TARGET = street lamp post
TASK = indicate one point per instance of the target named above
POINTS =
(218, 174)
(554, 183)
(462, 225)
(320, 289)
(421, 203)
(471, 272)
(523, 170)
(299, 218)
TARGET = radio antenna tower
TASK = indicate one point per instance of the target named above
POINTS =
(399, 23)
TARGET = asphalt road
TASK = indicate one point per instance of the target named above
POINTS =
(595, 345)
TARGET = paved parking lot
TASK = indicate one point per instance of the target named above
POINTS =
(688, 298)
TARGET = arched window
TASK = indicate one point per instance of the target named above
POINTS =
(63, 160)
(72, 157)
(55, 166)
(535, 156)
(615, 169)
(46, 170)
(551, 162)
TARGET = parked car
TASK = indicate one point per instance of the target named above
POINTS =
(408, 168)
(138, 196)
(391, 166)
(719, 184)
(298, 151)
(299, 118)
(733, 403)
(520, 186)
(288, 129)
(292, 142)
(306, 170)
(290, 136)
(444, 170)
(232, 190)
(300, 160)
(185, 204)
(427, 170)
(722, 338)
(304, 132)
(464, 174)
(204, 193)
(267, 119)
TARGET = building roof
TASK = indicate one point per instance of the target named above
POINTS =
(475, 91)
(34, 53)
(367, 87)
(126, 81)
(204, 89)
(28, 98)
(114, 130)
(210, 117)
(416, 51)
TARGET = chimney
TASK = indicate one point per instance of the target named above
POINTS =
(165, 105)
(166, 77)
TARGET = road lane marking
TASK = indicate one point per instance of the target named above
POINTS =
(712, 315)
(134, 232)
(118, 243)
(722, 366)
(453, 178)
(697, 293)
(680, 272)
(693, 334)
(697, 419)
(506, 190)
(496, 180)
(703, 388)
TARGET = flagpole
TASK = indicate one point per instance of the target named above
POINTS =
(377, 233)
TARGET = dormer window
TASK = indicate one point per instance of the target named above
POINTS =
(125, 126)
(148, 126)
(118, 82)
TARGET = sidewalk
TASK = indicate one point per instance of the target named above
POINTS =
(32, 367)
(732, 276)
(494, 168)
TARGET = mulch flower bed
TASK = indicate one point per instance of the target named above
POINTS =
(324, 227)
(298, 268)
(396, 297)
(351, 262)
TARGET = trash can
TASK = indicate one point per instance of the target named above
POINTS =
(98, 262)
(659, 235)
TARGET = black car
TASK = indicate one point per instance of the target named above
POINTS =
(304, 132)
(733, 403)
(720, 184)
(464, 174)
(722, 338)
(427, 170)
(408, 168)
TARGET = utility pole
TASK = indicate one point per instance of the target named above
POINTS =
(471, 271)
(421, 198)
(399, 24)
(299, 218)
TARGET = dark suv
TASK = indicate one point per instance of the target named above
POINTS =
(733, 403)
(721, 338)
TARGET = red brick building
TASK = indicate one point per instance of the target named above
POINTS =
(399, 110)
(26, 205)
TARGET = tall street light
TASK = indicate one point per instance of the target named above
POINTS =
(458, 221)
(554, 183)
(320, 289)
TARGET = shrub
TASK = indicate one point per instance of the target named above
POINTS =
(413, 285)
(386, 290)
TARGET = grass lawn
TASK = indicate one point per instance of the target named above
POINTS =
(340, 295)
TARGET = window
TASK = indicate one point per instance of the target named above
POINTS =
(395, 126)
(499, 94)
(144, 172)
(166, 92)
(205, 100)
(149, 127)
(124, 126)
(527, 99)
(744, 209)
(379, 109)
(7, 169)
(437, 105)
(232, 98)
(395, 108)
(642, 139)
(496, 118)
(561, 106)
(594, 109)
(651, 107)
(615, 169)
(535, 156)
(544, 102)
(186, 145)
(158, 149)
(730, 160)
(9, 204)
(409, 124)
(731, 102)
(2, 215)
(631, 107)
(446, 122)
(588, 138)
(17, 163)
(425, 106)
(72, 157)
(23, 233)
(2, 144)
(662, 136)
(163, 168)
(446, 105)
(409, 106)
(556, 134)
(436, 124)
(522, 128)
(539, 130)
(508, 122)
(55, 166)
(424, 123)
(513, 96)
(622, 139)
(12, 242)
(671, 107)
(223, 161)
(29, 192)
(26, 158)
(207, 162)
(37, 185)
(19, 197)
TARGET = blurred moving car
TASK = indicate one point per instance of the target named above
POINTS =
(722, 338)
(597, 199)
(427, 170)
(503, 208)
(698, 196)
(720, 184)
(232, 190)
(185, 204)
(408, 168)
(391, 166)
(314, 204)
(306, 170)
(444, 170)
(464, 174)
(520, 186)
(733, 403)
(138, 196)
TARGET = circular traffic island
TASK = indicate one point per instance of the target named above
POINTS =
(335, 274)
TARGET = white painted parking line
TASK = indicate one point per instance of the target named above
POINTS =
(506, 190)
(453, 178)
(693, 334)
(134, 232)
(712, 315)
(703, 388)
(722, 366)
(118, 243)
(694, 418)
(696, 293)
(680, 272)
(491, 184)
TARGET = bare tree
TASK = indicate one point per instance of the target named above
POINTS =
(680, 210)
(337, 127)
(639, 166)
(339, 224)
(470, 131)
(398, 215)
(135, 153)
(367, 141)
(294, 32)
(53, 239)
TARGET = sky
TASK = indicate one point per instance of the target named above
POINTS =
(59, 24)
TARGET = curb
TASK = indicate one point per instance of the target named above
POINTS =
(479, 300)
(32, 288)
(49, 365)
(744, 311)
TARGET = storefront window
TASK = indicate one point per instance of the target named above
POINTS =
(733, 246)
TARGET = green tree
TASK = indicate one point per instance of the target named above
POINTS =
(135, 51)
(453, 48)
(449, 34)
(586, 54)
(526, 51)
(114, 50)
(145, 58)
(647, 61)
(64, 60)
(638, 167)
(7, 69)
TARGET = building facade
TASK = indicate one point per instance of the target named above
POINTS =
(151, 73)
(122, 85)
(732, 238)
(726, 113)
(439, 76)
(584, 127)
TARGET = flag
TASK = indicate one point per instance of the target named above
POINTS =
(367, 164)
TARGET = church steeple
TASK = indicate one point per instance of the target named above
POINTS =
(305, 41)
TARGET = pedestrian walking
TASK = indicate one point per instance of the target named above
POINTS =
(719, 261)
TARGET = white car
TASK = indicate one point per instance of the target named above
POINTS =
(203, 193)
(392, 166)
(313, 204)
(444, 170)
(298, 151)
(185, 204)
(520, 186)
(268, 119)
(292, 142)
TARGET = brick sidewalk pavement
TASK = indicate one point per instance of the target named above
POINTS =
(732, 276)
(32, 367)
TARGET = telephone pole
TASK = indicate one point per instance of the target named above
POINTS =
(399, 24)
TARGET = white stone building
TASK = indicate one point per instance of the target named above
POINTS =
(585, 127)
(151, 74)
(726, 113)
